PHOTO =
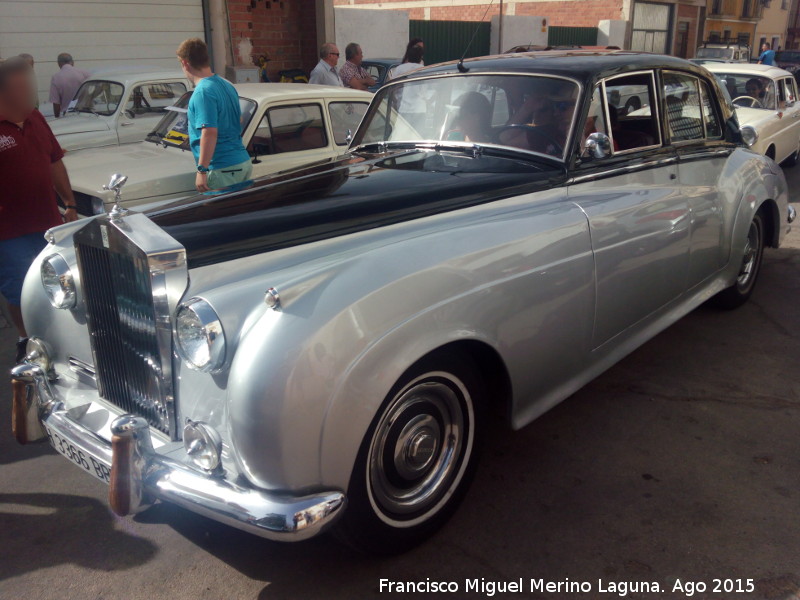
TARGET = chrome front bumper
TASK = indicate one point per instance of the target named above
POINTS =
(139, 475)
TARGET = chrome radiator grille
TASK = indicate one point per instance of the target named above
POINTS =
(122, 320)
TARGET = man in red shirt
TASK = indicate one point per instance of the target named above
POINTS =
(32, 172)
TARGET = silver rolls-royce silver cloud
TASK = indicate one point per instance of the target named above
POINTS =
(319, 350)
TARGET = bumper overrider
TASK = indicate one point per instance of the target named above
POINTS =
(138, 475)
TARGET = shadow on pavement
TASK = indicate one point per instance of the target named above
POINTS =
(46, 530)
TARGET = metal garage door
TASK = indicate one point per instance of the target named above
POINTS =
(651, 27)
(98, 33)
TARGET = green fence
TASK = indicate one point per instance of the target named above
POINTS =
(447, 40)
(572, 36)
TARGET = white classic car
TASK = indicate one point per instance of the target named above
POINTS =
(284, 125)
(766, 106)
(119, 106)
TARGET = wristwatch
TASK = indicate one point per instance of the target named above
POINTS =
(202, 169)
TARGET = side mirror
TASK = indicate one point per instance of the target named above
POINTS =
(598, 145)
(349, 137)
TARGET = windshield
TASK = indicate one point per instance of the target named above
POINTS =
(173, 128)
(748, 91)
(715, 53)
(531, 113)
(98, 97)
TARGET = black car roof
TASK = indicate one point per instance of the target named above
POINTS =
(584, 65)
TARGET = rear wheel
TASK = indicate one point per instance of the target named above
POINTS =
(418, 457)
(753, 252)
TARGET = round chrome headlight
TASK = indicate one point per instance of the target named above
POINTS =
(201, 339)
(58, 282)
(749, 135)
(203, 445)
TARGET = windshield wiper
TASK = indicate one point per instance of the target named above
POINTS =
(382, 146)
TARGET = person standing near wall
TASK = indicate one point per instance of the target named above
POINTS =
(325, 72)
(352, 73)
(64, 84)
(215, 130)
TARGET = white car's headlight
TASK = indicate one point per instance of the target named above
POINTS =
(201, 339)
(749, 135)
(58, 282)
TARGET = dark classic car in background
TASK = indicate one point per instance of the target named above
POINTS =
(321, 348)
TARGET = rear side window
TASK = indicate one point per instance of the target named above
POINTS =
(632, 113)
(682, 105)
(292, 128)
(345, 117)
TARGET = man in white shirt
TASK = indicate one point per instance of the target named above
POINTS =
(65, 84)
(325, 71)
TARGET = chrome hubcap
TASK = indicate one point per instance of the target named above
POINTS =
(750, 258)
(419, 450)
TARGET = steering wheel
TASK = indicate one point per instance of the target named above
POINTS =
(532, 129)
(753, 102)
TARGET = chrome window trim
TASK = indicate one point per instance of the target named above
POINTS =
(565, 155)
(660, 143)
(658, 162)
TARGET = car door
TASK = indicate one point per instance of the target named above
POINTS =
(638, 217)
(144, 107)
(289, 136)
(791, 115)
(694, 126)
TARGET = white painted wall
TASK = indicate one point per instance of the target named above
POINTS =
(518, 30)
(381, 33)
(611, 33)
(98, 33)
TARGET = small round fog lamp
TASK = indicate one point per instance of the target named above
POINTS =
(203, 445)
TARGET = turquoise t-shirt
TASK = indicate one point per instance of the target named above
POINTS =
(215, 103)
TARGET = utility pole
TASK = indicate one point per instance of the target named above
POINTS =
(500, 30)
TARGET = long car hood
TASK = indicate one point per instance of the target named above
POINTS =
(152, 170)
(78, 124)
(348, 195)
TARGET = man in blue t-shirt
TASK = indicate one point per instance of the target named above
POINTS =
(214, 122)
(767, 56)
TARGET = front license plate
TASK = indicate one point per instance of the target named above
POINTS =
(91, 464)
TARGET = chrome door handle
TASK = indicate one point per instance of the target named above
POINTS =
(125, 124)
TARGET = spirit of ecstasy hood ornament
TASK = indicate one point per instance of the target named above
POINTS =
(115, 185)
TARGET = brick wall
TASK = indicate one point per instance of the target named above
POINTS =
(286, 29)
(688, 14)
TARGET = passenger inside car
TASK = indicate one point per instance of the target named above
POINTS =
(474, 119)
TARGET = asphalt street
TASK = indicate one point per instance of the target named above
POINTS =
(680, 463)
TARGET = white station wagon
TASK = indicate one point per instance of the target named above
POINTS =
(766, 101)
(284, 125)
(119, 106)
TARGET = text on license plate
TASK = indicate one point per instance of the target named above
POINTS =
(80, 457)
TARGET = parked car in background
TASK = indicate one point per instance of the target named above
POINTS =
(284, 125)
(766, 100)
(380, 69)
(118, 106)
(788, 60)
(724, 52)
(322, 349)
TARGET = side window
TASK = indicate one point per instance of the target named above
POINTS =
(290, 129)
(375, 71)
(791, 90)
(633, 121)
(596, 117)
(710, 115)
(345, 116)
(781, 94)
(154, 98)
(682, 101)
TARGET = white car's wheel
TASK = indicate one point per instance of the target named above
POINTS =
(418, 458)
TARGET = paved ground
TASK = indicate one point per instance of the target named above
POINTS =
(682, 462)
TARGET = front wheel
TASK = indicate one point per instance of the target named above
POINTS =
(417, 459)
(740, 291)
